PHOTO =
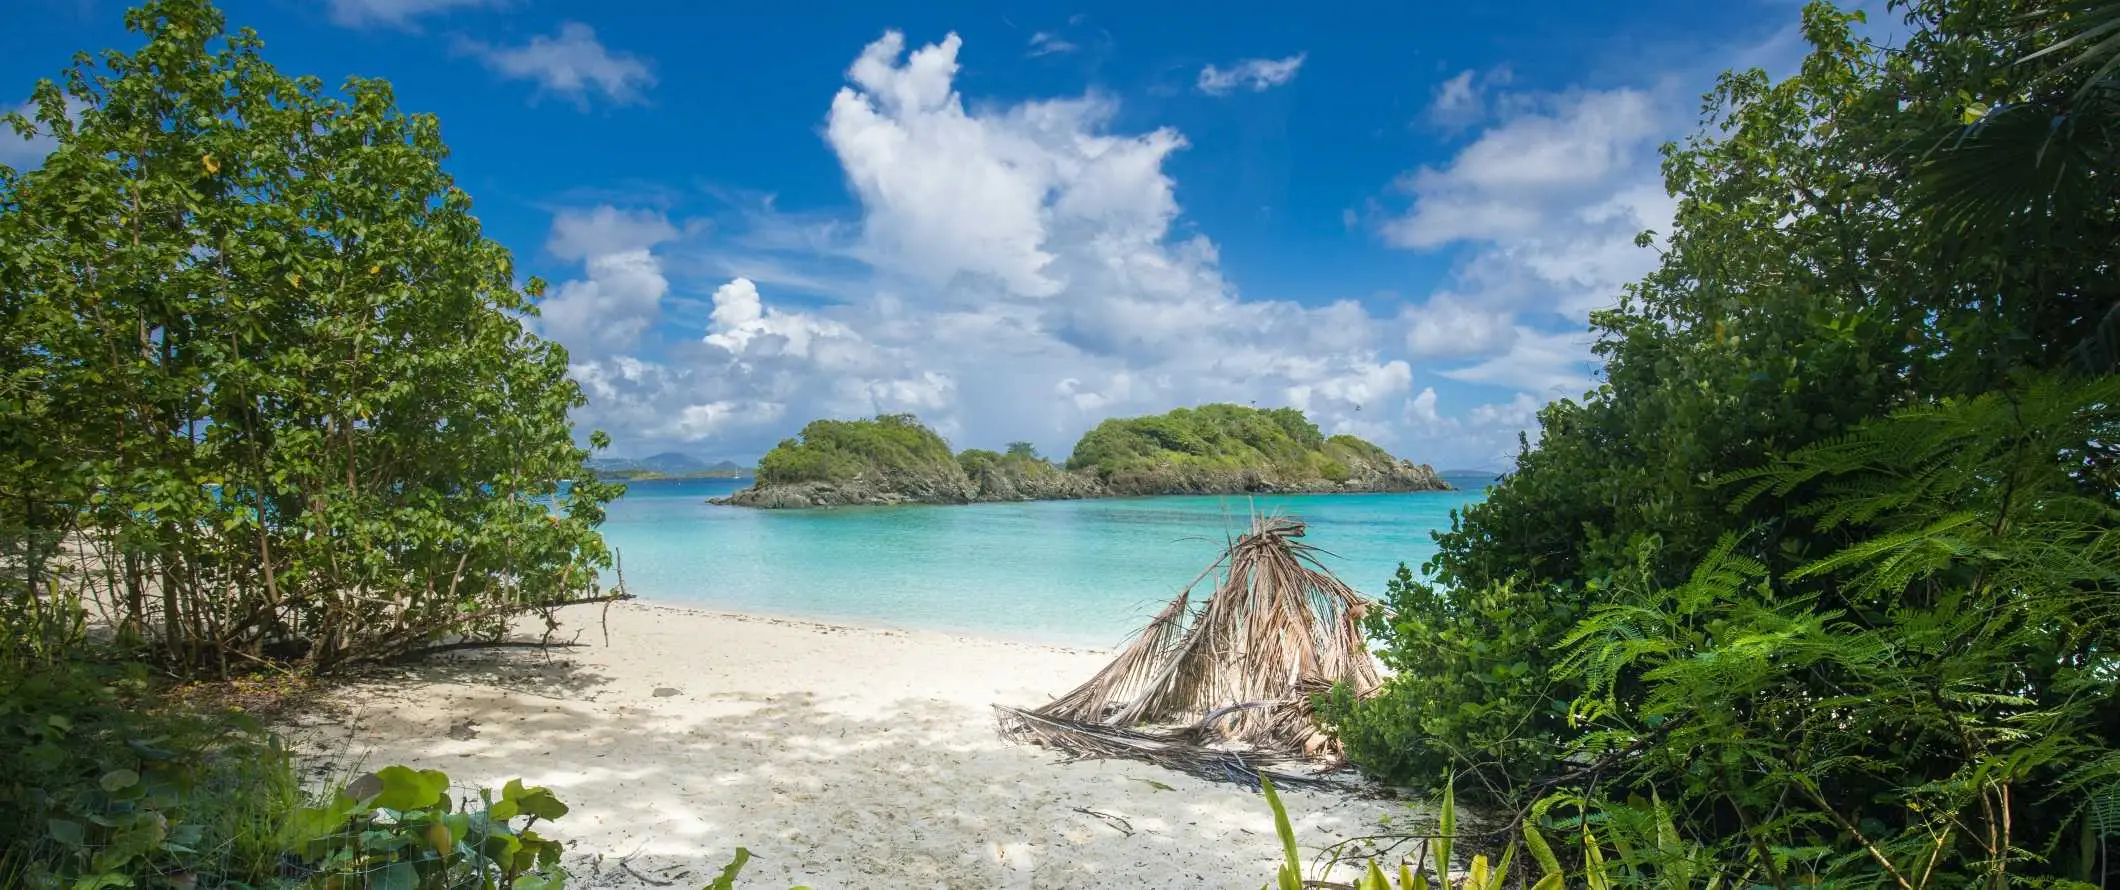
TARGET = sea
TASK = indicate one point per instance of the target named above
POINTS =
(1086, 573)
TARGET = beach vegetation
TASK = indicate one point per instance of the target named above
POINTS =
(271, 410)
(269, 392)
(839, 451)
(1814, 588)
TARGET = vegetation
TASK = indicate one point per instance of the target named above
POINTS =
(1815, 589)
(268, 390)
(270, 407)
(1207, 450)
(1231, 447)
(840, 451)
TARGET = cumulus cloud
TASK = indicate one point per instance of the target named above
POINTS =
(621, 296)
(1504, 184)
(1544, 203)
(1556, 365)
(1025, 283)
(393, 13)
(1448, 326)
(1256, 75)
(572, 63)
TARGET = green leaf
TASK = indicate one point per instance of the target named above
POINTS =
(404, 788)
(67, 832)
(1373, 879)
(395, 876)
(1446, 829)
(727, 879)
(537, 802)
(1541, 853)
(119, 779)
(1292, 861)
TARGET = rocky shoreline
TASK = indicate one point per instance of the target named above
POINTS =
(1401, 476)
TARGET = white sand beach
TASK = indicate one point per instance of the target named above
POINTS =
(840, 756)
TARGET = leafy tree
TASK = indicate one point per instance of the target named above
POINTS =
(1817, 278)
(260, 361)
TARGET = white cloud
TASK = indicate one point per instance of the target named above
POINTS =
(393, 13)
(1456, 96)
(1448, 326)
(1046, 43)
(1421, 411)
(1555, 365)
(572, 63)
(1023, 282)
(622, 296)
(741, 320)
(1506, 183)
(1517, 413)
(1256, 75)
(21, 153)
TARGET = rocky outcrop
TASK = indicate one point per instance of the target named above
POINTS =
(866, 489)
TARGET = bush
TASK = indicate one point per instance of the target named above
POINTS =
(1460, 697)
(99, 786)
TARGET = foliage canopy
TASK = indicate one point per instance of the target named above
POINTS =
(1814, 588)
(268, 386)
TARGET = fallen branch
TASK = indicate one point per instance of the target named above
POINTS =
(1123, 826)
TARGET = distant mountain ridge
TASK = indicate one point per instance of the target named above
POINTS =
(1212, 449)
(667, 465)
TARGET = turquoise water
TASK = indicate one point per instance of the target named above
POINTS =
(1075, 572)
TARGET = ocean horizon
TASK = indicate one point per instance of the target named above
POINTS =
(1085, 573)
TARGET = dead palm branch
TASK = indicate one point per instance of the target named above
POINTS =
(1239, 671)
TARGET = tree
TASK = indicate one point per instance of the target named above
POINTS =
(268, 370)
(1813, 282)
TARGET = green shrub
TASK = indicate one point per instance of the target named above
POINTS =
(97, 785)
(1460, 698)
(399, 828)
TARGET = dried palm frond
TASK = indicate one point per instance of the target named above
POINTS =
(1239, 670)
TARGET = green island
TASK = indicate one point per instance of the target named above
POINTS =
(1211, 449)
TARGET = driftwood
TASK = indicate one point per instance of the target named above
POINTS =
(1223, 690)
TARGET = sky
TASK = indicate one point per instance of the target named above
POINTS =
(1016, 220)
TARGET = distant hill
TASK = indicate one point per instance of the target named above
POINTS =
(1213, 449)
(667, 465)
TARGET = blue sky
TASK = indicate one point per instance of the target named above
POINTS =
(1016, 219)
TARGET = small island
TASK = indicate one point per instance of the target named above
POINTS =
(1212, 449)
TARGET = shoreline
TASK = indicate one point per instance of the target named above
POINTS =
(839, 754)
(826, 496)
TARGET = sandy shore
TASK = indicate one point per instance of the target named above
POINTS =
(841, 756)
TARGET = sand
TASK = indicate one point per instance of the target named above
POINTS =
(840, 756)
